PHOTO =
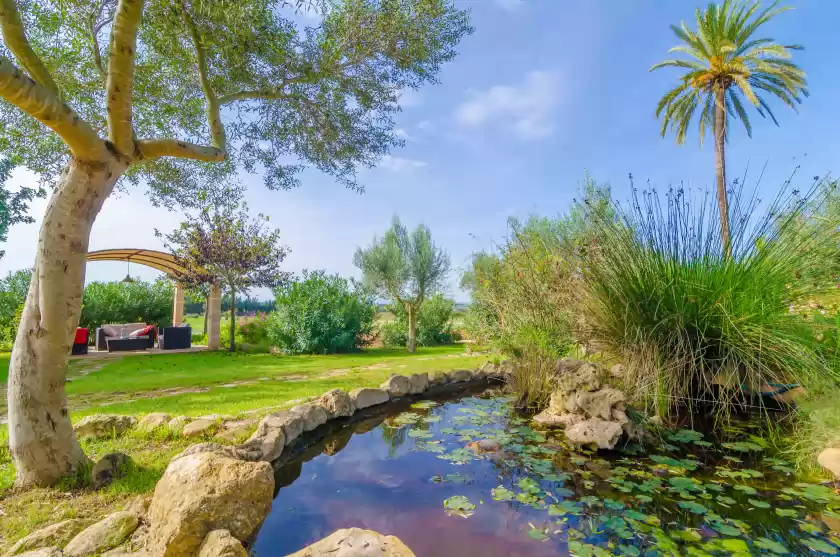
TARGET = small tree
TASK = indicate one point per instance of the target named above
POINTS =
(226, 245)
(407, 268)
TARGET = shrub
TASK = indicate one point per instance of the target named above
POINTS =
(253, 330)
(691, 323)
(321, 314)
(434, 324)
(127, 302)
(13, 290)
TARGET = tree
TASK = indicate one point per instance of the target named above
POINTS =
(407, 268)
(13, 206)
(227, 246)
(729, 64)
(87, 101)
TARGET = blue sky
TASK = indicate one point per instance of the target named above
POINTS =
(542, 92)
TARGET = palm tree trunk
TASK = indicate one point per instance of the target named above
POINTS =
(720, 170)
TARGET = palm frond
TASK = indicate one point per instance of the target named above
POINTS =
(707, 116)
(739, 109)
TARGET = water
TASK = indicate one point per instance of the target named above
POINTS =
(410, 473)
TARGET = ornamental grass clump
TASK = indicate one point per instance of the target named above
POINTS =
(694, 325)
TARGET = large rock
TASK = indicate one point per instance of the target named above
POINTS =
(599, 404)
(151, 422)
(584, 378)
(178, 423)
(234, 430)
(108, 533)
(830, 460)
(459, 376)
(267, 442)
(219, 543)
(547, 418)
(337, 403)
(203, 492)
(53, 535)
(108, 468)
(201, 426)
(215, 448)
(438, 378)
(605, 434)
(355, 542)
(363, 398)
(419, 383)
(100, 426)
(313, 415)
(396, 385)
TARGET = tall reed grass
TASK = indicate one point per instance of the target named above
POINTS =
(693, 325)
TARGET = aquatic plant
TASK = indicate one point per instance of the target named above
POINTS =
(694, 325)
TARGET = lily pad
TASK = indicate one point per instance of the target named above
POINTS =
(771, 545)
(758, 504)
(501, 493)
(790, 513)
(693, 507)
(819, 545)
(459, 505)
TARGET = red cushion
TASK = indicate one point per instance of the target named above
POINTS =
(148, 331)
(81, 336)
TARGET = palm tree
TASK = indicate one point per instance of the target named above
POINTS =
(727, 64)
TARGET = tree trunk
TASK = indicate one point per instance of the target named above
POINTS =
(206, 307)
(720, 170)
(41, 438)
(412, 329)
(233, 320)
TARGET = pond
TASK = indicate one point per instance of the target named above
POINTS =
(413, 474)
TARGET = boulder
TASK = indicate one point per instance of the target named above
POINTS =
(232, 430)
(100, 426)
(312, 414)
(219, 543)
(177, 423)
(485, 446)
(363, 398)
(108, 468)
(396, 385)
(355, 542)
(201, 426)
(568, 365)
(337, 403)
(548, 418)
(830, 460)
(595, 431)
(151, 422)
(202, 492)
(106, 534)
(266, 444)
(43, 552)
(419, 383)
(459, 376)
(599, 404)
(617, 371)
(438, 378)
(57, 534)
(584, 378)
(214, 448)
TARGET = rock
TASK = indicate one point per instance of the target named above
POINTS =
(203, 492)
(599, 404)
(177, 423)
(234, 430)
(201, 426)
(337, 403)
(363, 398)
(43, 552)
(617, 371)
(100, 426)
(139, 505)
(438, 378)
(396, 385)
(267, 442)
(584, 378)
(313, 415)
(568, 365)
(485, 446)
(213, 448)
(459, 376)
(419, 383)
(489, 370)
(830, 460)
(595, 431)
(275, 350)
(108, 533)
(110, 467)
(548, 418)
(151, 422)
(219, 543)
(355, 542)
(57, 534)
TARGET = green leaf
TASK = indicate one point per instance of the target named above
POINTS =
(501, 493)
(771, 545)
(758, 504)
(459, 504)
(693, 507)
(819, 545)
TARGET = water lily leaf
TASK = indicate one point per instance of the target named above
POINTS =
(693, 507)
(629, 550)
(691, 536)
(758, 504)
(790, 513)
(746, 489)
(644, 498)
(420, 434)
(565, 507)
(407, 418)
(723, 499)
(771, 545)
(819, 545)
(459, 505)
(743, 446)
(448, 430)
(591, 501)
(810, 528)
(528, 484)
(685, 436)
(726, 529)
(563, 492)
(425, 404)
(613, 505)
(501, 493)
(538, 534)
(526, 498)
(561, 477)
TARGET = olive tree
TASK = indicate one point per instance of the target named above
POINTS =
(405, 267)
(176, 94)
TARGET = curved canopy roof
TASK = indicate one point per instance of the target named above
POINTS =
(159, 260)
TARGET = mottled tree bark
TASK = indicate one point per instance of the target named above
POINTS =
(720, 170)
(412, 328)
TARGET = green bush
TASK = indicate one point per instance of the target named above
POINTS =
(690, 323)
(13, 291)
(253, 330)
(127, 302)
(321, 314)
(434, 324)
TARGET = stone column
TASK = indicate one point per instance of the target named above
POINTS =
(178, 306)
(214, 317)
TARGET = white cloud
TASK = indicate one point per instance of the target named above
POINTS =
(408, 98)
(399, 164)
(425, 125)
(511, 5)
(402, 134)
(528, 107)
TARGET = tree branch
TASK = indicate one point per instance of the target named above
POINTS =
(45, 106)
(151, 149)
(120, 81)
(15, 38)
(214, 119)
(250, 96)
(94, 27)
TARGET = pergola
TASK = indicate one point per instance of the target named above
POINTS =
(167, 263)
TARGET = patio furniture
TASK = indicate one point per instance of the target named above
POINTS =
(175, 338)
(80, 342)
(124, 330)
(127, 344)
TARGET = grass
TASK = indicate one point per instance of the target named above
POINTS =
(192, 384)
(689, 322)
